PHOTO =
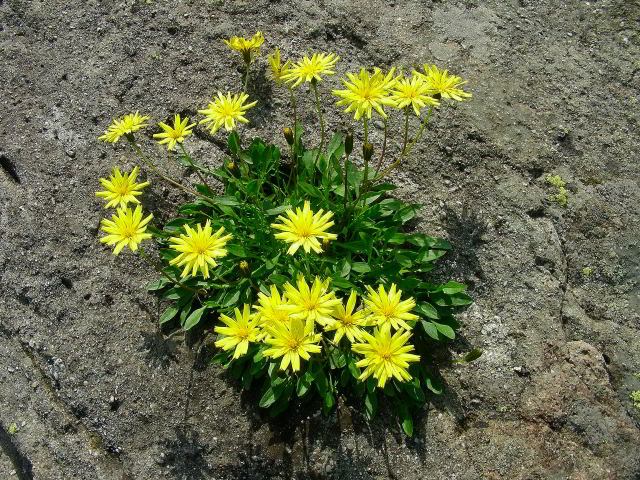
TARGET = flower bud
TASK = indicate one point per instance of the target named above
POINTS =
(288, 134)
(231, 166)
(244, 266)
(348, 144)
(367, 151)
(325, 243)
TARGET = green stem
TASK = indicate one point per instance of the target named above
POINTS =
(366, 161)
(246, 75)
(321, 117)
(188, 157)
(153, 168)
(406, 130)
(384, 147)
(160, 270)
(346, 182)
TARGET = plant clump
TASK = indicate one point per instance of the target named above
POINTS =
(303, 267)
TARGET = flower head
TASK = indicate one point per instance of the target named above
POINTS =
(292, 340)
(313, 303)
(125, 229)
(132, 122)
(385, 356)
(443, 84)
(366, 92)
(198, 248)
(121, 189)
(175, 134)
(304, 228)
(238, 333)
(347, 322)
(278, 72)
(246, 47)
(226, 110)
(274, 308)
(387, 310)
(310, 69)
(413, 92)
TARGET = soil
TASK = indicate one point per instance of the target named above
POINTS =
(91, 388)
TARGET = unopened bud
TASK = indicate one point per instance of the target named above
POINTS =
(367, 151)
(288, 134)
(231, 166)
(244, 266)
(348, 144)
(325, 242)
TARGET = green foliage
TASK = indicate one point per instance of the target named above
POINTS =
(372, 247)
(635, 398)
(561, 196)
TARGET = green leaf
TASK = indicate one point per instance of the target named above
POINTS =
(403, 261)
(371, 404)
(168, 314)
(227, 200)
(278, 210)
(334, 143)
(422, 240)
(429, 255)
(237, 250)
(455, 300)
(451, 288)
(445, 330)
(321, 382)
(414, 391)
(434, 385)
(158, 284)
(397, 238)
(309, 190)
(353, 368)
(329, 401)
(234, 142)
(304, 383)
(252, 187)
(407, 420)
(232, 299)
(360, 267)
(337, 358)
(194, 318)
(341, 283)
(470, 357)
(430, 329)
(428, 310)
(268, 398)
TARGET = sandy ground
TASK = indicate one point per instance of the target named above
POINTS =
(90, 388)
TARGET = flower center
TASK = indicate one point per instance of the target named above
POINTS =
(128, 231)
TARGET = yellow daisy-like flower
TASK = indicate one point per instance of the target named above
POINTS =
(273, 309)
(278, 72)
(313, 303)
(366, 92)
(238, 333)
(385, 356)
(386, 310)
(246, 47)
(198, 248)
(440, 82)
(130, 123)
(121, 189)
(309, 69)
(413, 92)
(226, 110)
(292, 340)
(304, 228)
(125, 229)
(175, 134)
(346, 321)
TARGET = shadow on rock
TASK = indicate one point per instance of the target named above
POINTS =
(184, 457)
(159, 351)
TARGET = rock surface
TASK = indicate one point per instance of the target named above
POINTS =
(98, 392)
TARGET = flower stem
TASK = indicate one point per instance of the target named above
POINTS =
(366, 160)
(188, 158)
(384, 147)
(246, 75)
(346, 182)
(320, 116)
(153, 168)
(160, 270)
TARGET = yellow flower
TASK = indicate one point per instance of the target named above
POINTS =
(246, 47)
(226, 110)
(385, 356)
(273, 309)
(304, 228)
(278, 72)
(126, 229)
(387, 310)
(414, 92)
(121, 189)
(309, 69)
(366, 92)
(239, 332)
(199, 248)
(313, 303)
(175, 134)
(441, 83)
(291, 340)
(346, 321)
(130, 123)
